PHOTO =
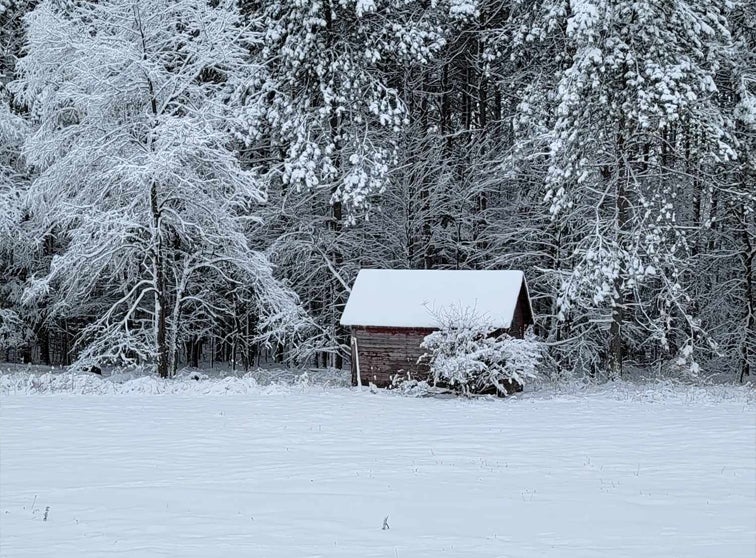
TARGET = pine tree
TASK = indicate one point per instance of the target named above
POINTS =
(635, 79)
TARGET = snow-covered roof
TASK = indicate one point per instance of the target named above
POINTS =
(415, 298)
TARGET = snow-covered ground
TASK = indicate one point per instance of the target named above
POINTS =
(225, 468)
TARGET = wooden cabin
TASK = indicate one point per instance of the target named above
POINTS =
(389, 313)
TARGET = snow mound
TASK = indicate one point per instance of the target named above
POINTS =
(37, 381)
(656, 391)
(191, 383)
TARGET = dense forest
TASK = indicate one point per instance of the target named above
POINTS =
(185, 182)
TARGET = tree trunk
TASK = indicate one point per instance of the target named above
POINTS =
(161, 344)
(173, 346)
(335, 222)
(749, 337)
(26, 354)
(615, 332)
(618, 302)
(196, 351)
(43, 334)
(481, 136)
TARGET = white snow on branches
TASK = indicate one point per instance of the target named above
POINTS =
(469, 356)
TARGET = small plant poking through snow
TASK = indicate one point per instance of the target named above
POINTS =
(465, 355)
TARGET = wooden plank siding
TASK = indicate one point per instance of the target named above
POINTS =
(386, 352)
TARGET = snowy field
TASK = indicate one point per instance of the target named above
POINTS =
(225, 468)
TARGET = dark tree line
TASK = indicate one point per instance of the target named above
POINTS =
(605, 147)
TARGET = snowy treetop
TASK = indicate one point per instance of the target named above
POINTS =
(419, 298)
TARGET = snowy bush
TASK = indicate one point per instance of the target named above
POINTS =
(408, 386)
(467, 356)
(13, 331)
